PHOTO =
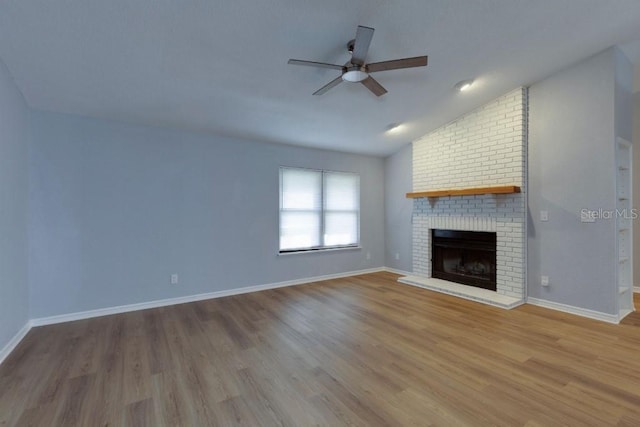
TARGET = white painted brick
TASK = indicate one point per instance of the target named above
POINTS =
(483, 148)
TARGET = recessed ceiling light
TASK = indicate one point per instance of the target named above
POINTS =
(394, 127)
(463, 85)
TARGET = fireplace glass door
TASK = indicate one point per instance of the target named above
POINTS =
(466, 257)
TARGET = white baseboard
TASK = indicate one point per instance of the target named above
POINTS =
(591, 314)
(190, 298)
(13, 342)
(395, 271)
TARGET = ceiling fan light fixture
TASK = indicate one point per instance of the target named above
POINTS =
(463, 85)
(355, 74)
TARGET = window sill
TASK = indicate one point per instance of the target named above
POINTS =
(322, 250)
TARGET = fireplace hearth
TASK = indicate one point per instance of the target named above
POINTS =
(466, 257)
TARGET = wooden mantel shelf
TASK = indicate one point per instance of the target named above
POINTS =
(504, 189)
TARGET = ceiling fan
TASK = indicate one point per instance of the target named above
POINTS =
(356, 70)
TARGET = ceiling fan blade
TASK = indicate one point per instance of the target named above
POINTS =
(333, 83)
(361, 44)
(315, 64)
(373, 85)
(418, 61)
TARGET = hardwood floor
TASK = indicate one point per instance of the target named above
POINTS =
(363, 351)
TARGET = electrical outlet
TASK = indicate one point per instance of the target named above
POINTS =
(174, 279)
(397, 255)
(544, 215)
(544, 281)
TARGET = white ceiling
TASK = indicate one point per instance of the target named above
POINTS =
(220, 66)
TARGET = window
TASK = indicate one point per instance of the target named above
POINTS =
(318, 210)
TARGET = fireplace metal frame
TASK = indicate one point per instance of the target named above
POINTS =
(471, 240)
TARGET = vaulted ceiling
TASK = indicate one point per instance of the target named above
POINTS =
(221, 66)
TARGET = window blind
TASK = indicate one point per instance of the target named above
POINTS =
(318, 209)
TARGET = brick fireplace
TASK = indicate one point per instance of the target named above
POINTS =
(484, 148)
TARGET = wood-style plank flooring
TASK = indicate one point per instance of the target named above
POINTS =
(363, 351)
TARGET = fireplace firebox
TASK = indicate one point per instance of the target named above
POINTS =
(466, 257)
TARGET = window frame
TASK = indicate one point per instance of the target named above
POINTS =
(323, 211)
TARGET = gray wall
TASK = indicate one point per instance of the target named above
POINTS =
(117, 208)
(571, 166)
(398, 209)
(14, 148)
(636, 186)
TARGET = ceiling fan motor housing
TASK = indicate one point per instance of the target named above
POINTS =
(351, 45)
